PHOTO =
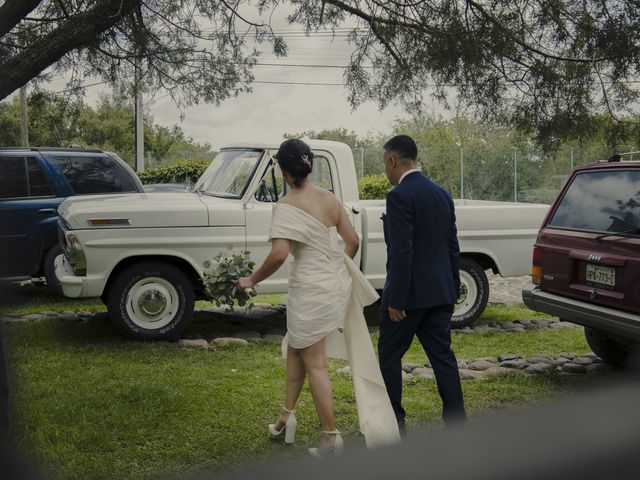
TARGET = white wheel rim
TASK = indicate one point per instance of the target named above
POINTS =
(468, 294)
(152, 303)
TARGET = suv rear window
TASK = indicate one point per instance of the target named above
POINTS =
(88, 175)
(600, 201)
(22, 177)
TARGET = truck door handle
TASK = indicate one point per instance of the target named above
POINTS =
(47, 211)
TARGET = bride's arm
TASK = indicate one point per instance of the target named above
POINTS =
(280, 248)
(348, 233)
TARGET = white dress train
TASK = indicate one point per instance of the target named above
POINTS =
(327, 295)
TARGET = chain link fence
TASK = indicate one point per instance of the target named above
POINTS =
(512, 173)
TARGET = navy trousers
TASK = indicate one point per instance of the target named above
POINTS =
(433, 328)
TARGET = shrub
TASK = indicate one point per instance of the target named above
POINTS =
(179, 172)
(374, 187)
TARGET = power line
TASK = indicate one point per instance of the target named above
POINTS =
(299, 65)
(80, 87)
(266, 82)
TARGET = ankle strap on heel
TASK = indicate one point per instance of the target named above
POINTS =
(332, 432)
(287, 410)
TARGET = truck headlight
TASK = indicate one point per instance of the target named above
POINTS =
(75, 254)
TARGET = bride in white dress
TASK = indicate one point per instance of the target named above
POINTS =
(326, 297)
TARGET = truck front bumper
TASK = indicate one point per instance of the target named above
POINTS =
(616, 322)
(72, 285)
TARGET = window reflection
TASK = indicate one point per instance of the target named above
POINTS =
(601, 201)
(321, 174)
(94, 175)
(13, 181)
(38, 184)
(229, 173)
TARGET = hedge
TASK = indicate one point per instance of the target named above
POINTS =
(179, 172)
(374, 187)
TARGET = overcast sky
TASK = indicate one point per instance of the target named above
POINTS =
(271, 110)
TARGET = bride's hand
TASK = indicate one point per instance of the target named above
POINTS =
(244, 283)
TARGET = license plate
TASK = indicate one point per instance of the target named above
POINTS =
(601, 275)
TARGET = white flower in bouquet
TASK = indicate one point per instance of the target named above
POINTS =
(219, 279)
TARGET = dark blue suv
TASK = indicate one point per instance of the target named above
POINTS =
(33, 182)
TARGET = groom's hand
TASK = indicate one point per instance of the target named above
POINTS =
(396, 315)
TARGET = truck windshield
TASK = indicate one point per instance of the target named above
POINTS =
(229, 173)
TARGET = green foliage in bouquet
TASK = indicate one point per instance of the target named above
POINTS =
(220, 275)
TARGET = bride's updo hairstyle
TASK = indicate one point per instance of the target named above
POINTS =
(296, 159)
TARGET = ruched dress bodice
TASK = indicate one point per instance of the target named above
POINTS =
(319, 289)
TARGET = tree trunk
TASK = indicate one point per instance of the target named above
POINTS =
(79, 31)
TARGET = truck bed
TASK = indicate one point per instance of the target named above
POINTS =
(500, 231)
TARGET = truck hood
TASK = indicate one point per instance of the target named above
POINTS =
(138, 210)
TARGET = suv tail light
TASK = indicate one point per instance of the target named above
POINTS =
(536, 269)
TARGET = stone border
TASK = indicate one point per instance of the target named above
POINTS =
(487, 367)
(220, 340)
(479, 368)
(518, 326)
(262, 311)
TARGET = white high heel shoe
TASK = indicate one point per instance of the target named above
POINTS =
(289, 428)
(324, 450)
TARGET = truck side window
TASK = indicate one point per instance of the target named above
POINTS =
(13, 181)
(90, 175)
(321, 175)
(270, 190)
(38, 184)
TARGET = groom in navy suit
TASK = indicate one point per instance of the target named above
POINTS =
(422, 282)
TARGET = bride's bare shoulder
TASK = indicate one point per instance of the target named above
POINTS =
(285, 200)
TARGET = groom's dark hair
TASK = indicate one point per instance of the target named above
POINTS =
(403, 146)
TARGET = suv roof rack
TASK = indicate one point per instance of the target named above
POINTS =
(620, 157)
(53, 149)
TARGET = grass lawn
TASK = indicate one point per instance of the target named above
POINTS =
(90, 404)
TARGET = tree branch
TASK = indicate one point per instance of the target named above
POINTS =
(81, 30)
(13, 11)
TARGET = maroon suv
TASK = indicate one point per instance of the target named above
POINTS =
(586, 259)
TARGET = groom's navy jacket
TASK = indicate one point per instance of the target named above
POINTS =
(422, 246)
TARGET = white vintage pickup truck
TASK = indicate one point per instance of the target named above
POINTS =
(143, 254)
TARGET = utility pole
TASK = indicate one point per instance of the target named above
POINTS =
(361, 162)
(571, 154)
(139, 121)
(461, 173)
(24, 120)
(515, 174)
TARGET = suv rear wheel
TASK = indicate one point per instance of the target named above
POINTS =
(474, 294)
(611, 351)
(151, 301)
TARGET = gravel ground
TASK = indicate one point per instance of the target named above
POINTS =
(506, 290)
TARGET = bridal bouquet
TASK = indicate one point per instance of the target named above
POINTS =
(219, 279)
